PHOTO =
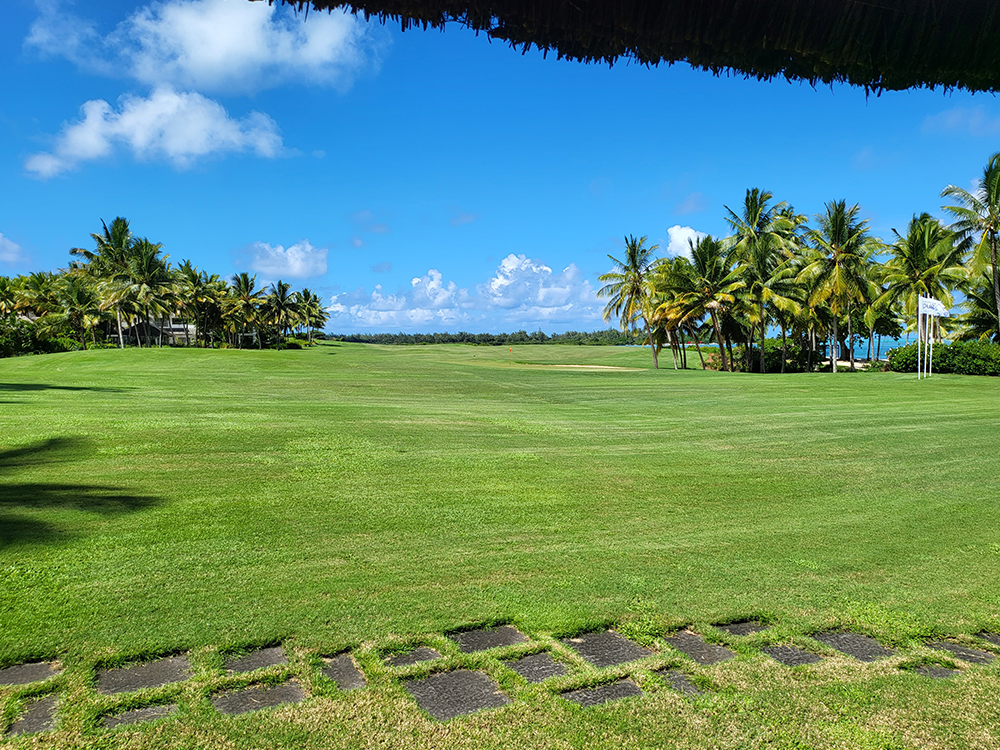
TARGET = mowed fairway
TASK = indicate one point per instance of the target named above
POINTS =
(361, 497)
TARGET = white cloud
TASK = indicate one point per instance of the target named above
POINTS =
(177, 127)
(679, 239)
(523, 293)
(964, 120)
(221, 45)
(10, 251)
(300, 261)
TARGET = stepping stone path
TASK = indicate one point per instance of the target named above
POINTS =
(973, 655)
(743, 627)
(993, 638)
(938, 673)
(152, 675)
(604, 693)
(40, 716)
(139, 715)
(449, 694)
(24, 674)
(257, 697)
(861, 647)
(606, 649)
(342, 670)
(678, 681)
(537, 667)
(694, 646)
(471, 641)
(791, 656)
(259, 659)
(415, 656)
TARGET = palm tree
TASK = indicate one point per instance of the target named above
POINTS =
(79, 307)
(150, 285)
(927, 262)
(246, 301)
(109, 261)
(311, 311)
(980, 320)
(705, 285)
(628, 290)
(838, 266)
(282, 307)
(979, 214)
(762, 243)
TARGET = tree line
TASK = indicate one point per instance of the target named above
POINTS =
(126, 291)
(609, 337)
(819, 285)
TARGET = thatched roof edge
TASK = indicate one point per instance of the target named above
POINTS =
(877, 44)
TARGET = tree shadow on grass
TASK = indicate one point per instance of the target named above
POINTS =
(48, 387)
(23, 504)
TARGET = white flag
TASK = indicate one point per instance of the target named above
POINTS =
(930, 306)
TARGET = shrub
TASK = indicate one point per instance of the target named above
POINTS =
(16, 337)
(103, 345)
(795, 362)
(960, 357)
(60, 344)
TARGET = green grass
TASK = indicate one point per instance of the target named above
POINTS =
(362, 497)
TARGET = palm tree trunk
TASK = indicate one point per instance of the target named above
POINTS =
(878, 349)
(673, 347)
(850, 335)
(784, 349)
(833, 345)
(118, 317)
(763, 334)
(812, 348)
(697, 346)
(652, 348)
(748, 359)
(718, 338)
(996, 271)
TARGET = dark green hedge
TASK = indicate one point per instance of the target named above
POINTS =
(959, 357)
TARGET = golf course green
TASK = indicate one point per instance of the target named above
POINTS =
(370, 499)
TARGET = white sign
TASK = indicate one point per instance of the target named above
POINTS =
(928, 306)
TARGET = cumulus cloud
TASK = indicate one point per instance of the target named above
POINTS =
(963, 120)
(522, 293)
(10, 251)
(214, 44)
(177, 127)
(300, 261)
(680, 237)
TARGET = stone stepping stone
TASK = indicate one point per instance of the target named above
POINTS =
(993, 638)
(743, 627)
(678, 681)
(603, 693)
(259, 659)
(471, 641)
(537, 667)
(153, 674)
(606, 649)
(937, 673)
(417, 655)
(449, 694)
(40, 716)
(791, 656)
(138, 716)
(861, 647)
(257, 697)
(23, 674)
(343, 671)
(973, 655)
(694, 646)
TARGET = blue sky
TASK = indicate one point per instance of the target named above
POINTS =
(421, 181)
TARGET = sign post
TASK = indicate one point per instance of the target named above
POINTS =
(927, 310)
